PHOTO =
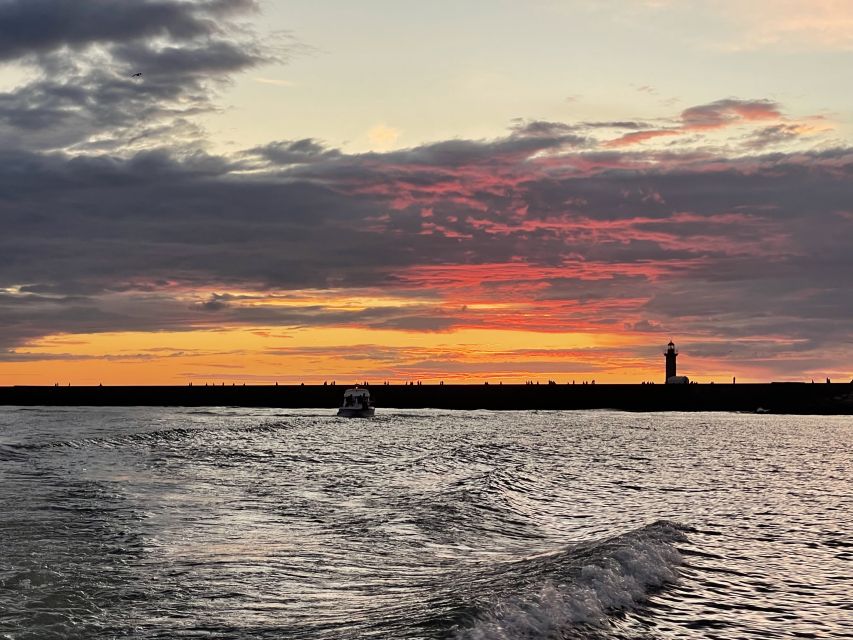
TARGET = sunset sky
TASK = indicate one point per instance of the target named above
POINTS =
(472, 190)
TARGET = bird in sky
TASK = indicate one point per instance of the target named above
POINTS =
(137, 75)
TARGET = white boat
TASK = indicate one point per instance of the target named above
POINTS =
(357, 404)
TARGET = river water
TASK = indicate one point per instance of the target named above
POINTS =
(259, 523)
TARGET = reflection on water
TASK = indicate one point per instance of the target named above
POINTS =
(164, 523)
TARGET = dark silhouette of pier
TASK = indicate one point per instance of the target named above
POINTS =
(772, 398)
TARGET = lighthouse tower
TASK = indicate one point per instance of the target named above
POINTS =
(671, 354)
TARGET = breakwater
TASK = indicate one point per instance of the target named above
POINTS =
(834, 398)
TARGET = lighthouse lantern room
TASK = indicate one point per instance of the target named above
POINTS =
(671, 354)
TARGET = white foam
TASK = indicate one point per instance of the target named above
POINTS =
(617, 575)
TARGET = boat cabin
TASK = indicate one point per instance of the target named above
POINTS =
(356, 398)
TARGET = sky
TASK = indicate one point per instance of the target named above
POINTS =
(465, 191)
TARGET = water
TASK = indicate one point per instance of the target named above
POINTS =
(243, 523)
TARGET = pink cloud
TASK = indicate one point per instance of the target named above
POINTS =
(726, 112)
(636, 137)
(706, 117)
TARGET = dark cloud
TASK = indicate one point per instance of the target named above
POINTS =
(186, 63)
(217, 302)
(25, 317)
(289, 152)
(773, 135)
(38, 27)
(737, 248)
(644, 326)
(82, 56)
(617, 124)
(539, 128)
(455, 153)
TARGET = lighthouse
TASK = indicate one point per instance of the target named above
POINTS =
(671, 354)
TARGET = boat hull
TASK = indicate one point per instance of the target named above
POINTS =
(351, 412)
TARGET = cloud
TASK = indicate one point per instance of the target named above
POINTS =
(708, 117)
(726, 112)
(81, 56)
(290, 152)
(517, 239)
(647, 89)
(782, 133)
(39, 27)
(790, 24)
(775, 25)
(543, 128)
(273, 81)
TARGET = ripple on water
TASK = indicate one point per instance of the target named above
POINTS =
(163, 523)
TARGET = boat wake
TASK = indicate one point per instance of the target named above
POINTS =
(575, 592)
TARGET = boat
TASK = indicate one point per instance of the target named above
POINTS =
(357, 404)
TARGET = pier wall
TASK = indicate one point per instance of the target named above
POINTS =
(834, 398)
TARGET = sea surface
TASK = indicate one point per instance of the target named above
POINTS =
(248, 523)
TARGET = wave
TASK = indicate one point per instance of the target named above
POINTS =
(11, 453)
(559, 595)
(152, 438)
